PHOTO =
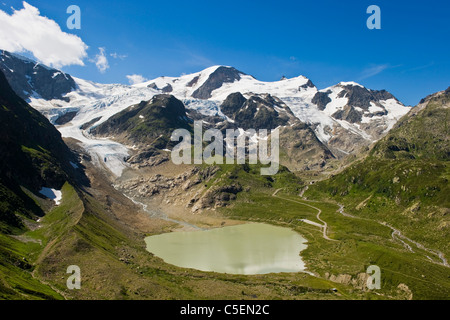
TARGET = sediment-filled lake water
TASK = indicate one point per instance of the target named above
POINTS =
(252, 248)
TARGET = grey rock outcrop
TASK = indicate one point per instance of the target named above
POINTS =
(28, 78)
(220, 76)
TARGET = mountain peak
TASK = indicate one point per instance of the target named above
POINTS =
(29, 78)
(146, 123)
(216, 79)
(257, 111)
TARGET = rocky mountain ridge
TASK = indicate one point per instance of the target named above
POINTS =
(29, 78)
(344, 118)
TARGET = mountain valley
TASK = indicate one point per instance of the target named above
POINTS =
(362, 177)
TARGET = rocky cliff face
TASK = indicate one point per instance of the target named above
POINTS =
(29, 78)
(257, 111)
(360, 101)
(321, 99)
(31, 149)
(148, 124)
(188, 189)
(358, 116)
(32, 155)
(301, 150)
(220, 76)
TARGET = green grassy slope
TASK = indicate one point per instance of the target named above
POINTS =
(404, 182)
(22, 252)
(405, 178)
(358, 244)
(115, 265)
(32, 156)
(355, 243)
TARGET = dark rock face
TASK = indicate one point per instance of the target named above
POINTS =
(358, 97)
(193, 81)
(232, 104)
(307, 85)
(349, 114)
(216, 80)
(301, 149)
(32, 152)
(234, 188)
(382, 95)
(377, 114)
(257, 112)
(362, 97)
(90, 123)
(321, 99)
(167, 89)
(65, 118)
(148, 123)
(143, 156)
(27, 77)
(447, 91)
(220, 196)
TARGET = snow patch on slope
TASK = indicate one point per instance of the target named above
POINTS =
(53, 194)
(248, 84)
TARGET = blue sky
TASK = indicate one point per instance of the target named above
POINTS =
(326, 41)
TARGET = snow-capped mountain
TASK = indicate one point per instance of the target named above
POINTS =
(344, 117)
(216, 83)
(29, 78)
(257, 111)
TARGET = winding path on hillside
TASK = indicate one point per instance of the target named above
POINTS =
(319, 211)
(396, 234)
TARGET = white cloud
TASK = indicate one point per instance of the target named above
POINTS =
(101, 61)
(373, 71)
(27, 30)
(136, 78)
(115, 55)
